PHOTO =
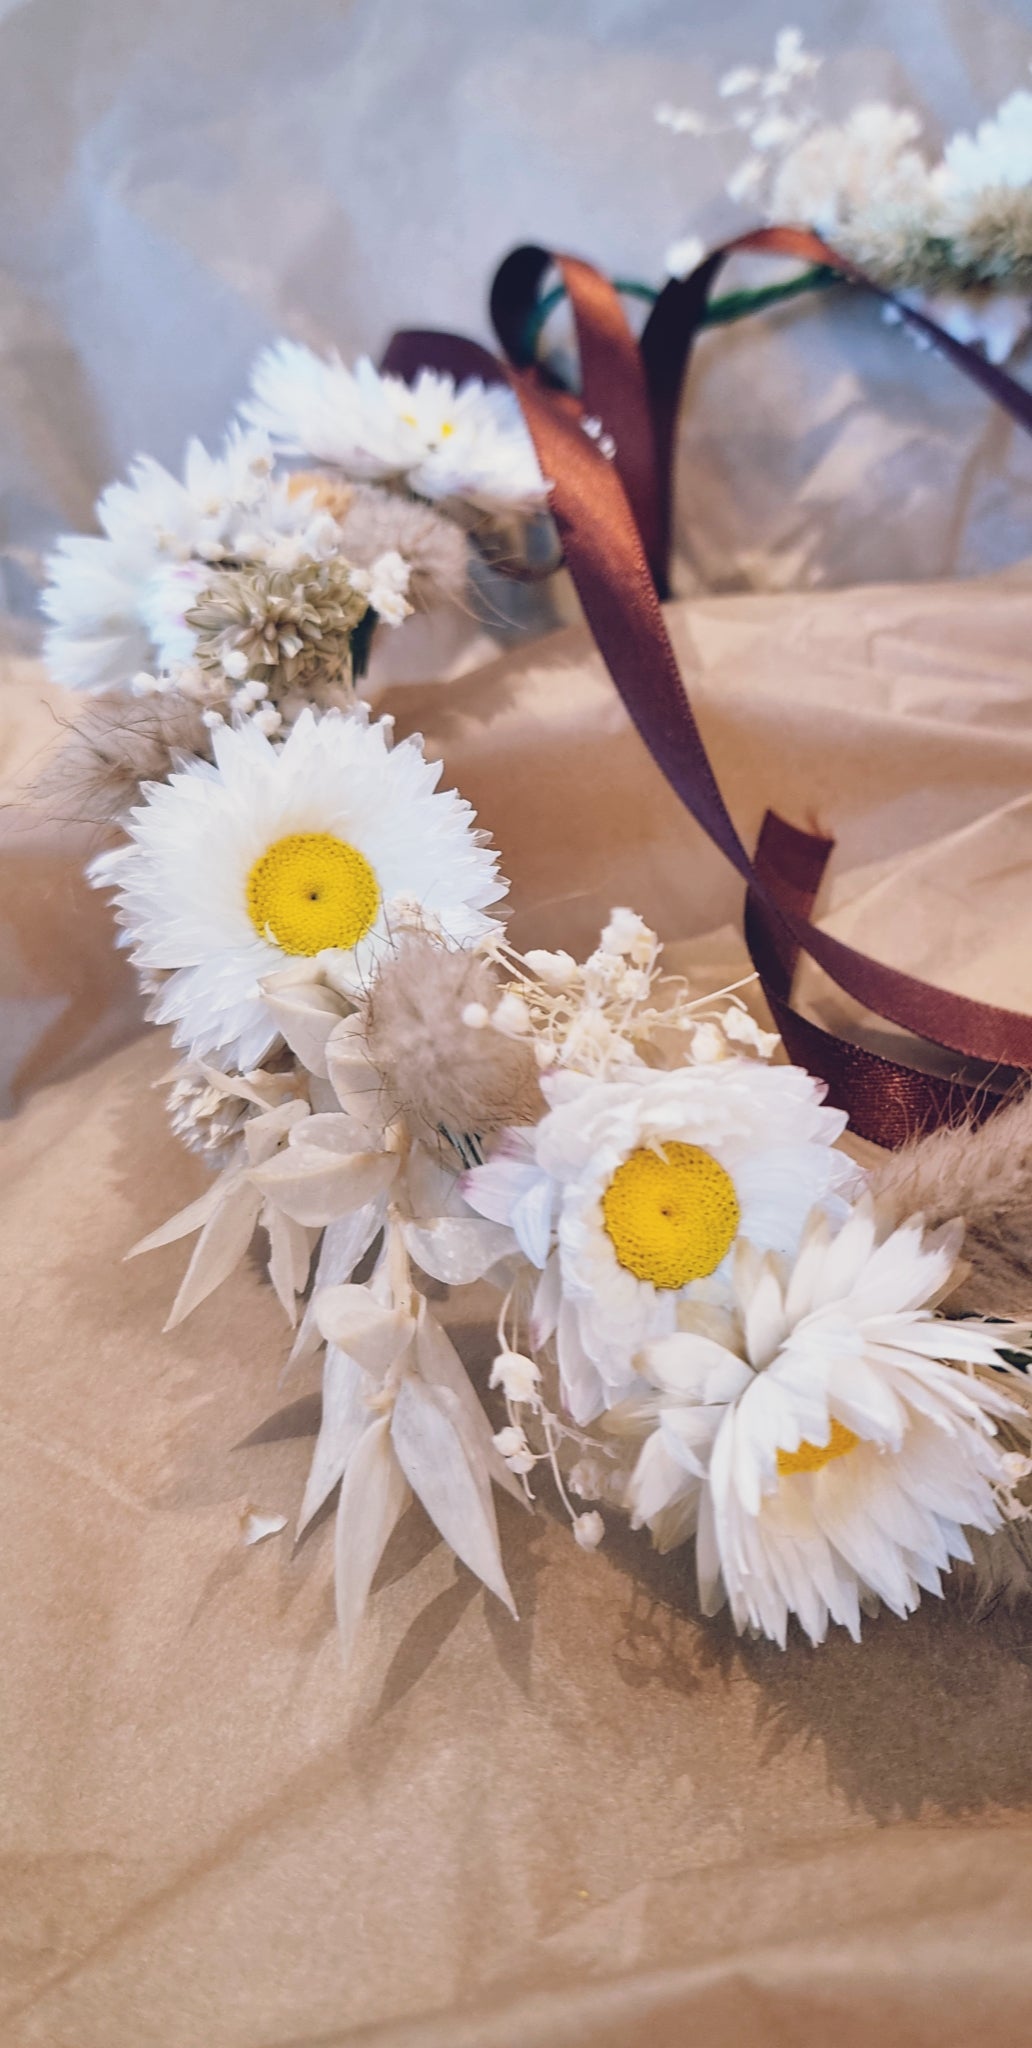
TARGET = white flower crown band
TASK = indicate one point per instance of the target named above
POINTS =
(709, 1317)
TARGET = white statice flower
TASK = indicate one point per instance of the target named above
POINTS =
(999, 153)
(117, 602)
(442, 440)
(631, 1195)
(837, 172)
(828, 1441)
(385, 583)
(277, 854)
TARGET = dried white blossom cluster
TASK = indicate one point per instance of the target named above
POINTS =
(705, 1318)
(253, 585)
(703, 1323)
(952, 233)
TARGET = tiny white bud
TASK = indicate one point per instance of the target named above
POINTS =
(144, 685)
(235, 664)
(475, 1016)
(512, 1016)
(212, 719)
(589, 1529)
(555, 970)
(628, 933)
(1015, 1467)
(708, 1045)
(512, 1445)
(517, 1374)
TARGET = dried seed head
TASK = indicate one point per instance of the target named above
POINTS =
(379, 522)
(448, 1076)
(292, 627)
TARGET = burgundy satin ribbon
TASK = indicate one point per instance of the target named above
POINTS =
(594, 505)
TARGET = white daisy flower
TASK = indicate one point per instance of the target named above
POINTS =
(277, 853)
(645, 1184)
(826, 1438)
(116, 602)
(445, 441)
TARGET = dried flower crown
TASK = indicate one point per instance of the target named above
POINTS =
(709, 1317)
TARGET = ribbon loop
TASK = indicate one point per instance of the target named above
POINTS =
(613, 518)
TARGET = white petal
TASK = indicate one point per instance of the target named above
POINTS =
(455, 1492)
(315, 1185)
(220, 1248)
(345, 1417)
(375, 1337)
(373, 1495)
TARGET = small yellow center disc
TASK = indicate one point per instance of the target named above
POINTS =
(310, 891)
(671, 1216)
(813, 1457)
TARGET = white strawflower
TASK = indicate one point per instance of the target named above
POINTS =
(444, 441)
(645, 1185)
(827, 1440)
(277, 853)
(117, 603)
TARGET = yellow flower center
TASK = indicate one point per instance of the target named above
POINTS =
(813, 1457)
(446, 429)
(671, 1216)
(311, 890)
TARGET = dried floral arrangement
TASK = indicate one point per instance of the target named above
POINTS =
(709, 1318)
(342, 502)
(952, 233)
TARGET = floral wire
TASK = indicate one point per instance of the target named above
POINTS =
(732, 306)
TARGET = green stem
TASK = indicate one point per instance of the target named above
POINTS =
(733, 306)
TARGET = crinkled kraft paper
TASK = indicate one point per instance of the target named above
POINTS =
(606, 1822)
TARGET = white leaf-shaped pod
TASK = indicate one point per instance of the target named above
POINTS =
(235, 1086)
(440, 1366)
(457, 1249)
(290, 1254)
(357, 1084)
(345, 1417)
(264, 1135)
(373, 1496)
(220, 1247)
(454, 1489)
(320, 1176)
(306, 1012)
(193, 1217)
(374, 1336)
(345, 1241)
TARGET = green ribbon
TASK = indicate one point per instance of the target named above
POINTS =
(719, 313)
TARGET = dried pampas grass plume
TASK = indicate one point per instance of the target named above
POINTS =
(116, 744)
(985, 1176)
(450, 1079)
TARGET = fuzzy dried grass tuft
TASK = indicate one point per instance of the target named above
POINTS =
(985, 1176)
(116, 744)
(449, 1078)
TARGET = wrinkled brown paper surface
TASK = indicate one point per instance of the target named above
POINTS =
(608, 1823)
